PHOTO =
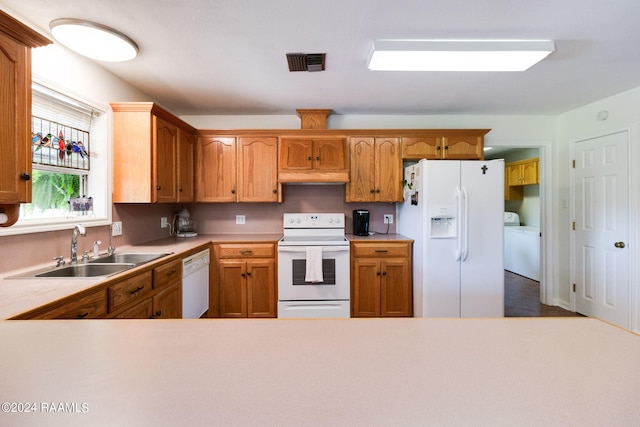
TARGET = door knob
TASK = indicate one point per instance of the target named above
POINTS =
(619, 245)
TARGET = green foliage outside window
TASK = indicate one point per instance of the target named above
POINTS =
(52, 191)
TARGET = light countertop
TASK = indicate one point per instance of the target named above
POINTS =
(23, 294)
(349, 372)
(379, 237)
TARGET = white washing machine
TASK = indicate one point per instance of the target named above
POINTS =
(521, 247)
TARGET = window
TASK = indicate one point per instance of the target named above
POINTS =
(69, 161)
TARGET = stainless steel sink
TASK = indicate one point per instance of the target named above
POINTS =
(128, 258)
(76, 271)
(86, 270)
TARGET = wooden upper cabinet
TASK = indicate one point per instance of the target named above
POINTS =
(258, 170)
(186, 166)
(464, 144)
(216, 169)
(16, 41)
(166, 165)
(376, 170)
(313, 159)
(243, 169)
(145, 151)
(522, 172)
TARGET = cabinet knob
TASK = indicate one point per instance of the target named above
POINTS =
(25, 177)
(372, 190)
(242, 274)
(248, 273)
(180, 189)
(158, 188)
(309, 158)
(446, 147)
(317, 157)
(275, 191)
(233, 191)
(159, 313)
(378, 273)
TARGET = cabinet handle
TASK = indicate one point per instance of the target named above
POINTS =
(136, 290)
(377, 190)
(275, 191)
(159, 313)
(82, 316)
(180, 189)
(382, 250)
(246, 252)
(25, 177)
(372, 190)
(318, 158)
(446, 147)
(242, 274)
(384, 273)
(172, 272)
(309, 158)
(378, 273)
(158, 187)
(248, 273)
(438, 148)
(233, 191)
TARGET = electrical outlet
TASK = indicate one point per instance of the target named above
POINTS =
(388, 219)
(163, 222)
(240, 219)
(116, 228)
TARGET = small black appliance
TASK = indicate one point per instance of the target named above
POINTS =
(361, 222)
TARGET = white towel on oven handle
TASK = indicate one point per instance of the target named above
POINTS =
(313, 272)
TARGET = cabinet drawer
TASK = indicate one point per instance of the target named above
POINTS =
(381, 250)
(142, 310)
(129, 289)
(88, 307)
(166, 274)
(261, 250)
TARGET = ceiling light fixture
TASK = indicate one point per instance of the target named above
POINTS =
(95, 41)
(458, 55)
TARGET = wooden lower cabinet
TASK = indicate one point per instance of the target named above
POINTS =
(246, 280)
(89, 305)
(381, 284)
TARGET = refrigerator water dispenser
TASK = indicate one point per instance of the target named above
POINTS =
(442, 222)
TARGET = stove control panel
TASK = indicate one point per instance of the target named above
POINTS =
(323, 220)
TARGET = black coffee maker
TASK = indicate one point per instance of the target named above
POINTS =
(361, 222)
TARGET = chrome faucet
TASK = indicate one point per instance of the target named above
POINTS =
(111, 249)
(78, 229)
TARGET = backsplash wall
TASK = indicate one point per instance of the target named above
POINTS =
(141, 223)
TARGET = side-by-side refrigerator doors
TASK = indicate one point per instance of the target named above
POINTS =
(482, 269)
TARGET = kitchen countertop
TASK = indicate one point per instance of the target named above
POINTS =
(349, 372)
(379, 238)
(23, 294)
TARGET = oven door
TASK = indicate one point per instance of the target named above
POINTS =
(292, 268)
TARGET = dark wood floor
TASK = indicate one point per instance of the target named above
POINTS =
(522, 299)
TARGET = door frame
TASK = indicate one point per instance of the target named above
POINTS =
(548, 287)
(634, 206)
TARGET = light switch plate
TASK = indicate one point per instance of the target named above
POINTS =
(116, 228)
(240, 219)
(163, 222)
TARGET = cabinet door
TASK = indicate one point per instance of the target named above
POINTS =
(329, 154)
(388, 167)
(15, 134)
(233, 288)
(186, 166)
(463, 147)
(395, 288)
(362, 186)
(167, 304)
(261, 288)
(166, 143)
(296, 154)
(530, 173)
(216, 170)
(423, 147)
(90, 306)
(514, 174)
(142, 310)
(258, 169)
(365, 295)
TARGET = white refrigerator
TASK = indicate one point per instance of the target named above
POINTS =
(453, 210)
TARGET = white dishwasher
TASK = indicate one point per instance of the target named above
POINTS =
(195, 285)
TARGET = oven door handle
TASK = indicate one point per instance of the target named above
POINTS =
(303, 249)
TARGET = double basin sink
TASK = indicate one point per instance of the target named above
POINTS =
(103, 266)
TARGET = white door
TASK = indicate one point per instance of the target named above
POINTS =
(601, 255)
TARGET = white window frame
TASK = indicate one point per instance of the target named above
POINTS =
(100, 176)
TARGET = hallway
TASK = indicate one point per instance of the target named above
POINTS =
(522, 299)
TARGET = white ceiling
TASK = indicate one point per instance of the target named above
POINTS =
(228, 56)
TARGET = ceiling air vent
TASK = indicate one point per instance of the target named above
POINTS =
(306, 61)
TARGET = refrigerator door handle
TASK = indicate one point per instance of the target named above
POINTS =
(459, 224)
(465, 227)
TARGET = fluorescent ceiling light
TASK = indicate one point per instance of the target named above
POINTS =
(458, 55)
(94, 41)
